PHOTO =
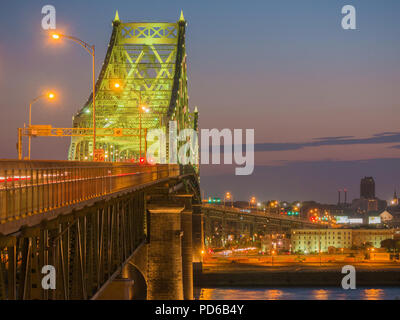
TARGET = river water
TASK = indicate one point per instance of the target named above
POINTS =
(297, 293)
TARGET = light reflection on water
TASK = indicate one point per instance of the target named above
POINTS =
(373, 294)
(387, 293)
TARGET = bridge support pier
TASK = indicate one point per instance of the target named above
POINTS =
(198, 239)
(187, 246)
(165, 280)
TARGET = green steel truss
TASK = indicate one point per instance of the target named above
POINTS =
(148, 62)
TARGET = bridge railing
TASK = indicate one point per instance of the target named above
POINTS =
(31, 187)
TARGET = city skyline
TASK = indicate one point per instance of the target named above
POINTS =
(322, 100)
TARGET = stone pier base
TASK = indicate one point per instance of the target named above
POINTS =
(165, 253)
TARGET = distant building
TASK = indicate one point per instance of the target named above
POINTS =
(368, 202)
(319, 240)
(367, 188)
(332, 209)
(368, 205)
(386, 216)
(395, 201)
(373, 236)
(394, 219)
(394, 207)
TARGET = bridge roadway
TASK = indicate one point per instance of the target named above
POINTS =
(29, 188)
(103, 226)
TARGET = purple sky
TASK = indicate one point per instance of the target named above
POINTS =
(324, 102)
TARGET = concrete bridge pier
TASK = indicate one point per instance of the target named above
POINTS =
(198, 238)
(165, 276)
(187, 246)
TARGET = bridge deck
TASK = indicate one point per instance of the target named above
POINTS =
(31, 187)
(256, 213)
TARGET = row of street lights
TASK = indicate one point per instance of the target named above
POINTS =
(229, 196)
(91, 50)
(254, 204)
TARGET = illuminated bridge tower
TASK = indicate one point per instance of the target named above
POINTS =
(142, 85)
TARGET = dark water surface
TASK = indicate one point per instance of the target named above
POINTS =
(297, 293)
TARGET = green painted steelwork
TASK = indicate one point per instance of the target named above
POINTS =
(146, 65)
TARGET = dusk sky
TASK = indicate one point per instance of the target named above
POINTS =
(324, 102)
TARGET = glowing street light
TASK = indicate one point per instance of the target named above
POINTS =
(48, 95)
(252, 201)
(273, 252)
(90, 49)
(228, 196)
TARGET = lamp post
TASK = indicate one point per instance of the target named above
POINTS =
(272, 257)
(320, 258)
(140, 123)
(90, 49)
(252, 201)
(228, 196)
(141, 109)
(49, 96)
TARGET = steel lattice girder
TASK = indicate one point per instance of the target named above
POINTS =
(86, 247)
(148, 62)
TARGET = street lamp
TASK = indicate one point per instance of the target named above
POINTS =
(228, 196)
(252, 201)
(142, 108)
(90, 49)
(50, 96)
(272, 257)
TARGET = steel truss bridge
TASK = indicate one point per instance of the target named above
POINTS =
(221, 222)
(111, 229)
(145, 65)
(106, 224)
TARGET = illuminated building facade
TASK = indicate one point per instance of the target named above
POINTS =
(319, 240)
(373, 236)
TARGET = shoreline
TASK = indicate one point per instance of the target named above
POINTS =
(242, 275)
(297, 279)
